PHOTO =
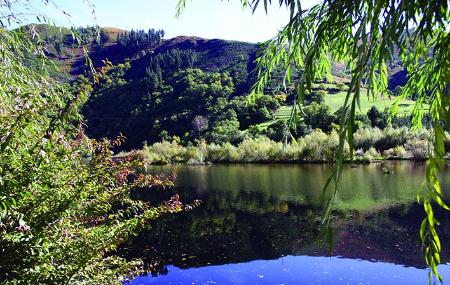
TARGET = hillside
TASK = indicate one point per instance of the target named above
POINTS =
(189, 88)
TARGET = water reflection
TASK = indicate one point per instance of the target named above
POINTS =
(254, 214)
(296, 270)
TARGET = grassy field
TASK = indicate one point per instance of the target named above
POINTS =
(335, 101)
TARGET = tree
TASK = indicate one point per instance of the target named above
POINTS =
(318, 116)
(377, 119)
(317, 97)
(226, 129)
(259, 111)
(366, 35)
(65, 202)
(277, 130)
(104, 36)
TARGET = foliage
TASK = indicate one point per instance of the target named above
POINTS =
(140, 39)
(316, 146)
(65, 203)
(341, 86)
(317, 97)
(419, 149)
(169, 101)
(277, 130)
(377, 119)
(256, 112)
(318, 116)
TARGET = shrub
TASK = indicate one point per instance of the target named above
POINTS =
(418, 149)
(280, 97)
(259, 149)
(319, 116)
(400, 152)
(318, 146)
(66, 202)
(322, 86)
(371, 154)
(222, 153)
(276, 131)
(388, 153)
(378, 119)
(391, 138)
(193, 155)
(291, 152)
(318, 96)
(396, 152)
(166, 152)
(447, 142)
(365, 138)
(341, 86)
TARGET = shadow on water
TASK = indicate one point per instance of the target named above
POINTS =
(253, 215)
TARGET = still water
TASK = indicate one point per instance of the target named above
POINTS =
(260, 224)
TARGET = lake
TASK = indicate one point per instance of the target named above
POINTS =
(261, 224)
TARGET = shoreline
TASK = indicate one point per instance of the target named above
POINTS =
(347, 162)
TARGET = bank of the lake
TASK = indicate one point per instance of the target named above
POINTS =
(370, 145)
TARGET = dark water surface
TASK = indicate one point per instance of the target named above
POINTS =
(260, 224)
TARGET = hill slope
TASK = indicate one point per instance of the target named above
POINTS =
(148, 95)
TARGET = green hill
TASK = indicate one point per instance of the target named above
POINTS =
(188, 87)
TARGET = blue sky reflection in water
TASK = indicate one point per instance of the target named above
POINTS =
(297, 270)
(260, 224)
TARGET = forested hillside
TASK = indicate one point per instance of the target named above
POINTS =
(187, 88)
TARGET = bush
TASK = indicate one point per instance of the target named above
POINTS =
(259, 149)
(447, 142)
(166, 152)
(371, 154)
(322, 86)
(365, 138)
(276, 131)
(391, 138)
(396, 152)
(317, 97)
(378, 119)
(222, 153)
(318, 146)
(319, 116)
(280, 97)
(341, 86)
(417, 149)
(66, 202)
(400, 152)
(194, 155)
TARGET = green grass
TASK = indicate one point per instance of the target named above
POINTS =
(284, 113)
(335, 101)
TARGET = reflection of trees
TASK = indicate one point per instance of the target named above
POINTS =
(200, 238)
(363, 187)
(204, 237)
(390, 236)
(264, 212)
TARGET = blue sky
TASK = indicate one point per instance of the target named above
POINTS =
(204, 18)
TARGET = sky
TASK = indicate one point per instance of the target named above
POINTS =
(203, 18)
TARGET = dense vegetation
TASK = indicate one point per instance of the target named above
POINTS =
(317, 146)
(65, 202)
(196, 89)
(140, 39)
